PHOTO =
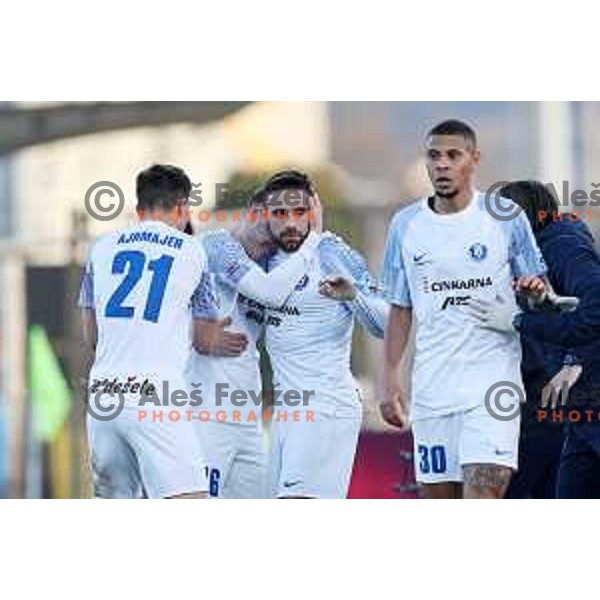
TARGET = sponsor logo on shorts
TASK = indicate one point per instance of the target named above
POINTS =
(289, 484)
(505, 453)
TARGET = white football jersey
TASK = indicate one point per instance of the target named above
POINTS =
(309, 339)
(228, 263)
(242, 291)
(140, 282)
(435, 264)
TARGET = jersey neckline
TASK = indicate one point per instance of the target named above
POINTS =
(450, 218)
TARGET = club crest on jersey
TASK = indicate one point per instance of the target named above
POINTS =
(302, 283)
(478, 252)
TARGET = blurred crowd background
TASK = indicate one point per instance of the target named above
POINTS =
(367, 161)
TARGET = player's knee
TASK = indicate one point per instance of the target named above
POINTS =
(440, 491)
(484, 492)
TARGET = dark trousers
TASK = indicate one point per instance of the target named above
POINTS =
(579, 471)
(539, 457)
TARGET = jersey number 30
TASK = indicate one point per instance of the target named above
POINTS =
(432, 459)
(134, 262)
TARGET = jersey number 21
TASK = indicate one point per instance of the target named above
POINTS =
(134, 262)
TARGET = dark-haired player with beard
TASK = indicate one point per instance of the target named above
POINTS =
(228, 366)
(442, 252)
(309, 341)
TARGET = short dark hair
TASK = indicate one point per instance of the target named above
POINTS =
(289, 179)
(455, 127)
(162, 186)
(533, 197)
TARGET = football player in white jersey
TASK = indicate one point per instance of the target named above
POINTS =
(318, 414)
(442, 252)
(230, 374)
(136, 295)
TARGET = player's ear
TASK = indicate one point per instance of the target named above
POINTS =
(476, 156)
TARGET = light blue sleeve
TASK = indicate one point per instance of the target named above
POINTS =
(226, 257)
(370, 307)
(524, 255)
(205, 304)
(393, 272)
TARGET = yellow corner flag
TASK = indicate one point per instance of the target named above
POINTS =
(50, 394)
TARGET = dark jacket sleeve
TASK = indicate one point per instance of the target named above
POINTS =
(574, 269)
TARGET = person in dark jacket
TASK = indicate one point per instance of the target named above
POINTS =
(541, 441)
(573, 338)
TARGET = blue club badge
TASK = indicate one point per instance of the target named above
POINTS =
(478, 252)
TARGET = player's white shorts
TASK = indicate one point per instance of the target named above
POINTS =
(132, 458)
(314, 459)
(445, 444)
(236, 458)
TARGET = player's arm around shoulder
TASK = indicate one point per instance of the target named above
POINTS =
(272, 287)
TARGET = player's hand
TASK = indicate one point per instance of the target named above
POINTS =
(338, 287)
(394, 407)
(559, 386)
(212, 338)
(531, 286)
(228, 343)
(316, 210)
(492, 313)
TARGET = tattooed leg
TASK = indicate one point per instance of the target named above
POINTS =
(485, 481)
